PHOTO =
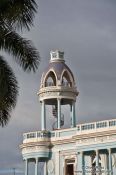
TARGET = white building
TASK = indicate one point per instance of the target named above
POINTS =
(85, 149)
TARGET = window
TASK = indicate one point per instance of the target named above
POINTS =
(50, 79)
(66, 79)
(69, 167)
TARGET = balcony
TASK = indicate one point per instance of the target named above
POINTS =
(87, 128)
(39, 143)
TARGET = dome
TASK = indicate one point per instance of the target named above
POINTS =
(57, 89)
(57, 73)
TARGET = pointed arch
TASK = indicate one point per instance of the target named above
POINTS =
(67, 79)
(50, 79)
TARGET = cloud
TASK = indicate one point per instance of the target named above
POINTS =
(85, 30)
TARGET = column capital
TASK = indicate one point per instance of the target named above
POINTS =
(97, 151)
(43, 101)
(79, 152)
(109, 150)
(36, 159)
(82, 152)
(25, 159)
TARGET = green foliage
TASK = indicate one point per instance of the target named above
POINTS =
(8, 91)
(18, 13)
(15, 15)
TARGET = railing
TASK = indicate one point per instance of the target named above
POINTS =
(54, 88)
(95, 126)
(49, 84)
(66, 84)
(39, 134)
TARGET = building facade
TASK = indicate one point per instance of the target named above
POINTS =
(81, 149)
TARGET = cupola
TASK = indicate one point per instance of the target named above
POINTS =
(57, 88)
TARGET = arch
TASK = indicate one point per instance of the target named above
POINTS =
(67, 79)
(50, 79)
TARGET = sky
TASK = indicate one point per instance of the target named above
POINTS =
(86, 31)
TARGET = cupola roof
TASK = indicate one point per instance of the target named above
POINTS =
(57, 66)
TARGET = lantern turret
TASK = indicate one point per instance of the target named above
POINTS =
(57, 88)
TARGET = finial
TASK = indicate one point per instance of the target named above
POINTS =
(57, 56)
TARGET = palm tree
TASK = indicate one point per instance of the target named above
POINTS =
(14, 16)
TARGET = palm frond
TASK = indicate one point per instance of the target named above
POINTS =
(4, 117)
(23, 50)
(8, 91)
(18, 13)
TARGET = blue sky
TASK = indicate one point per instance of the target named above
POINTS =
(86, 31)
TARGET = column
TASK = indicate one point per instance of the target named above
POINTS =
(73, 117)
(110, 161)
(45, 168)
(57, 163)
(59, 113)
(75, 165)
(36, 165)
(82, 162)
(26, 167)
(97, 162)
(43, 115)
